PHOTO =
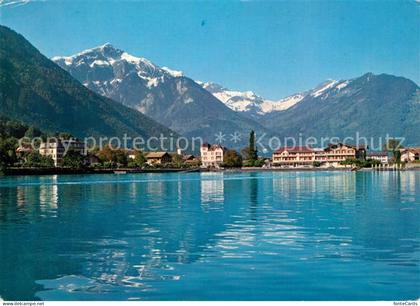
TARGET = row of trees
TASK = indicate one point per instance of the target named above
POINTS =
(368, 163)
(113, 158)
(10, 133)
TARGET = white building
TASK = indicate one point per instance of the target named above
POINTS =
(410, 154)
(379, 156)
(212, 155)
(57, 148)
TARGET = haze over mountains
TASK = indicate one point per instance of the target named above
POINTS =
(373, 105)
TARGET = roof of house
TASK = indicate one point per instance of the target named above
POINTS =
(411, 150)
(377, 154)
(213, 147)
(23, 149)
(188, 157)
(131, 152)
(340, 144)
(156, 154)
(295, 150)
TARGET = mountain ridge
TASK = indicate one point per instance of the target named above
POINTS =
(165, 95)
(36, 91)
(372, 105)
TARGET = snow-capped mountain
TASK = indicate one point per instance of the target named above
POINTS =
(129, 79)
(166, 95)
(371, 104)
(254, 105)
(103, 67)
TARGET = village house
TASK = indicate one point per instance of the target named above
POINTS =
(410, 154)
(212, 155)
(382, 157)
(158, 158)
(331, 156)
(189, 158)
(56, 149)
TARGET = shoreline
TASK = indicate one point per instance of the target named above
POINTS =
(64, 171)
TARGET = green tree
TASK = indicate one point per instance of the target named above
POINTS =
(7, 152)
(316, 164)
(252, 149)
(232, 159)
(112, 156)
(32, 132)
(34, 159)
(139, 160)
(352, 162)
(259, 162)
(394, 145)
(73, 160)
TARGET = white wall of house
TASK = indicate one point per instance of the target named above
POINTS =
(211, 156)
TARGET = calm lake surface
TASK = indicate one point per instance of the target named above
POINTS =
(211, 236)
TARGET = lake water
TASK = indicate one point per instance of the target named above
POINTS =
(211, 236)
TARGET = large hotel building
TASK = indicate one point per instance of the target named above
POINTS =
(306, 156)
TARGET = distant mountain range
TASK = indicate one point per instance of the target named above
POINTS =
(373, 105)
(255, 106)
(36, 91)
(163, 94)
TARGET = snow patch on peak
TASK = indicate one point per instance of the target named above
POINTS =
(68, 60)
(173, 73)
(106, 45)
(248, 101)
(342, 85)
(132, 59)
(271, 106)
(120, 63)
(99, 63)
(323, 87)
(211, 87)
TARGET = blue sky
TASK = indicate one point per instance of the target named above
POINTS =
(274, 48)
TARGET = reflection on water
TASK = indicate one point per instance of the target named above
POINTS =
(287, 236)
(212, 190)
